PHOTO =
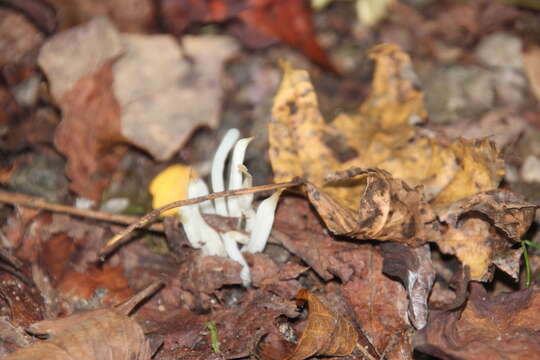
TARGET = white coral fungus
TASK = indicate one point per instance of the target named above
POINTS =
(254, 227)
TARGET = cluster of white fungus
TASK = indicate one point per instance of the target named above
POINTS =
(254, 227)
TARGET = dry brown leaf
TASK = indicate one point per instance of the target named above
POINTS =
(382, 134)
(385, 209)
(103, 334)
(479, 243)
(326, 334)
(89, 134)
(503, 326)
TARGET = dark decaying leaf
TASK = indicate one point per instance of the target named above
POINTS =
(388, 208)
(413, 267)
(103, 334)
(503, 326)
(326, 333)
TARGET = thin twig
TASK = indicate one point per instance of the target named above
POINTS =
(122, 237)
(38, 203)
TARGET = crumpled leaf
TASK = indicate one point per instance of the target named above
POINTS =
(326, 334)
(479, 243)
(414, 268)
(170, 185)
(387, 208)
(503, 326)
(382, 134)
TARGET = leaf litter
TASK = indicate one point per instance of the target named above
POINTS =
(386, 242)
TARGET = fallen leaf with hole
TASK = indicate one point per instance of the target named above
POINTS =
(326, 333)
(169, 186)
(503, 326)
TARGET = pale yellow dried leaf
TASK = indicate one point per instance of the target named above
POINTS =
(170, 185)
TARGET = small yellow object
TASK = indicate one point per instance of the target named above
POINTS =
(170, 185)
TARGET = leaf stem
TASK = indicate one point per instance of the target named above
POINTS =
(214, 339)
(527, 263)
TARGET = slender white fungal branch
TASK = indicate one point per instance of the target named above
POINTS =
(253, 232)
(236, 175)
(264, 219)
(218, 165)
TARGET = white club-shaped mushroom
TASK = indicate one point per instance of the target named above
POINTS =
(218, 165)
(198, 232)
(236, 176)
(264, 219)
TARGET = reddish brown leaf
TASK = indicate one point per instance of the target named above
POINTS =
(90, 132)
(504, 326)
(208, 273)
(327, 333)
(76, 285)
(23, 300)
(288, 21)
(264, 22)
(379, 303)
